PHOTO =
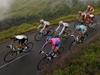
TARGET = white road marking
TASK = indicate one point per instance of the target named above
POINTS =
(13, 60)
(19, 58)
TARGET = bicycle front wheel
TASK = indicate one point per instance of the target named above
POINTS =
(29, 47)
(38, 36)
(42, 64)
(10, 56)
(72, 45)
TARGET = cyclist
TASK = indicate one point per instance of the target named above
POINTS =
(46, 25)
(21, 40)
(83, 15)
(55, 42)
(82, 29)
(65, 27)
(90, 9)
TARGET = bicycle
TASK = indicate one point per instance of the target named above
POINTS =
(12, 54)
(91, 25)
(68, 33)
(40, 35)
(44, 61)
(75, 42)
(78, 22)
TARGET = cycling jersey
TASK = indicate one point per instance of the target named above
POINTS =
(83, 14)
(55, 42)
(82, 29)
(64, 26)
(45, 24)
(22, 39)
(91, 9)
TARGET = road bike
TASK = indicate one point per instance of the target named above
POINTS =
(39, 35)
(75, 42)
(12, 54)
(44, 61)
(68, 33)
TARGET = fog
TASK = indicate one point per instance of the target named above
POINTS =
(5, 7)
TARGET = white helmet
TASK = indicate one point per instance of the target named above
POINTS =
(41, 21)
(88, 6)
(61, 22)
(79, 12)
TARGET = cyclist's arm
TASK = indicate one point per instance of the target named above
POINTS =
(13, 42)
(57, 28)
(26, 40)
(62, 30)
(44, 46)
(53, 46)
(74, 32)
(39, 25)
(43, 28)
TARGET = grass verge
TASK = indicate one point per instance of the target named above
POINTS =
(30, 28)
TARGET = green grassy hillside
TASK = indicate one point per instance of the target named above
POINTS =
(30, 11)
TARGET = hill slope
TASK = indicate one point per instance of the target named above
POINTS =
(29, 11)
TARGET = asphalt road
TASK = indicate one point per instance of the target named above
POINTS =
(26, 64)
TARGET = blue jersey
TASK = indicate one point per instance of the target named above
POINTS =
(82, 29)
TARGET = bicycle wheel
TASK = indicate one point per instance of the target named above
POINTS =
(72, 45)
(76, 23)
(68, 33)
(60, 50)
(38, 36)
(85, 37)
(42, 64)
(94, 24)
(29, 47)
(51, 32)
(10, 56)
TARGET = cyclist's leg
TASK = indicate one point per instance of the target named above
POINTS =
(80, 36)
(19, 45)
(47, 29)
(56, 48)
(85, 17)
(65, 31)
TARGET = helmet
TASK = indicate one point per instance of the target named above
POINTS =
(12, 37)
(88, 6)
(41, 21)
(77, 27)
(61, 22)
(79, 12)
(48, 39)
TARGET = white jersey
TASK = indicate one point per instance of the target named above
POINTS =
(64, 26)
(19, 37)
(45, 24)
(91, 15)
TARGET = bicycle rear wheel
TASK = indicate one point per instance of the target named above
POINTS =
(94, 24)
(68, 33)
(51, 32)
(29, 47)
(60, 50)
(76, 23)
(10, 56)
(38, 36)
(42, 64)
(85, 37)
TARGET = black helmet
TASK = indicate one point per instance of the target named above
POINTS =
(12, 37)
